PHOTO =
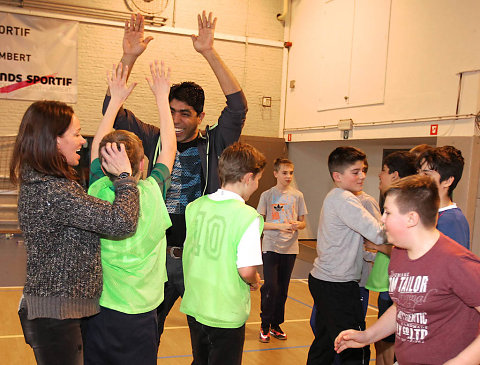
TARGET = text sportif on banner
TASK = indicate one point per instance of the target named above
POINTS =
(38, 58)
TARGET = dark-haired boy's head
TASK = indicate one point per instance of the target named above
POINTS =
(444, 164)
(133, 147)
(415, 193)
(395, 166)
(343, 157)
(238, 160)
(347, 166)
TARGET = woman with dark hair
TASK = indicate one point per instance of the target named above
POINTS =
(61, 225)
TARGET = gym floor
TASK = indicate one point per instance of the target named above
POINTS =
(175, 343)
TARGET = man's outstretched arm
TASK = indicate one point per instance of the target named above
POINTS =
(203, 44)
(134, 43)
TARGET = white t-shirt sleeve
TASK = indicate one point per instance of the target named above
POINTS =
(249, 252)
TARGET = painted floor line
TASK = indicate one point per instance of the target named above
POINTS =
(10, 336)
(278, 348)
(253, 323)
(296, 300)
(11, 288)
(245, 351)
(286, 321)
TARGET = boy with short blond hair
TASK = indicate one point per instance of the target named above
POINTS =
(221, 252)
(283, 209)
(436, 311)
(333, 282)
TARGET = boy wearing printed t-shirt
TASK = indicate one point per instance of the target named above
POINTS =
(433, 281)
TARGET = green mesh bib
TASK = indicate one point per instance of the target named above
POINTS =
(134, 267)
(215, 293)
(378, 279)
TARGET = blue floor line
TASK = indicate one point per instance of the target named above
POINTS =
(298, 301)
(173, 357)
(278, 348)
(256, 350)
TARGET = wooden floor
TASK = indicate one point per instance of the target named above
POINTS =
(175, 345)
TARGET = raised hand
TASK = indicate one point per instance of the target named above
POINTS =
(134, 43)
(117, 82)
(160, 81)
(206, 30)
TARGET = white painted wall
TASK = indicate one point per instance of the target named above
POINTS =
(429, 43)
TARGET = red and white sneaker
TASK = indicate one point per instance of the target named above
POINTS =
(264, 335)
(277, 332)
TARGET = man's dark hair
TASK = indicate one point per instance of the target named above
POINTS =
(447, 161)
(401, 161)
(190, 93)
(343, 157)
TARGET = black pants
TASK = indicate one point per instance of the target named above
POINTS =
(277, 270)
(174, 288)
(338, 308)
(216, 346)
(54, 341)
(116, 338)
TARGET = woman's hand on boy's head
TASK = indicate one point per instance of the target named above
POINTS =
(115, 159)
(160, 81)
(117, 83)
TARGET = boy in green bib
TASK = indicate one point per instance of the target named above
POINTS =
(220, 255)
(126, 330)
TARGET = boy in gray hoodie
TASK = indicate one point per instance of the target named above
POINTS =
(333, 281)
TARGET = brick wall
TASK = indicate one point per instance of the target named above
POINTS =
(257, 67)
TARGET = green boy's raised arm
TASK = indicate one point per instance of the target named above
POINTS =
(117, 83)
(160, 86)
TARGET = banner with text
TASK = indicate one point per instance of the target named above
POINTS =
(38, 58)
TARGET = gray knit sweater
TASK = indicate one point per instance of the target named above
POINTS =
(61, 225)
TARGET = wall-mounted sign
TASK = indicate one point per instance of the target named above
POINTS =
(38, 58)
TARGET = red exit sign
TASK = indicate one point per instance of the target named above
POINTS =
(433, 129)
